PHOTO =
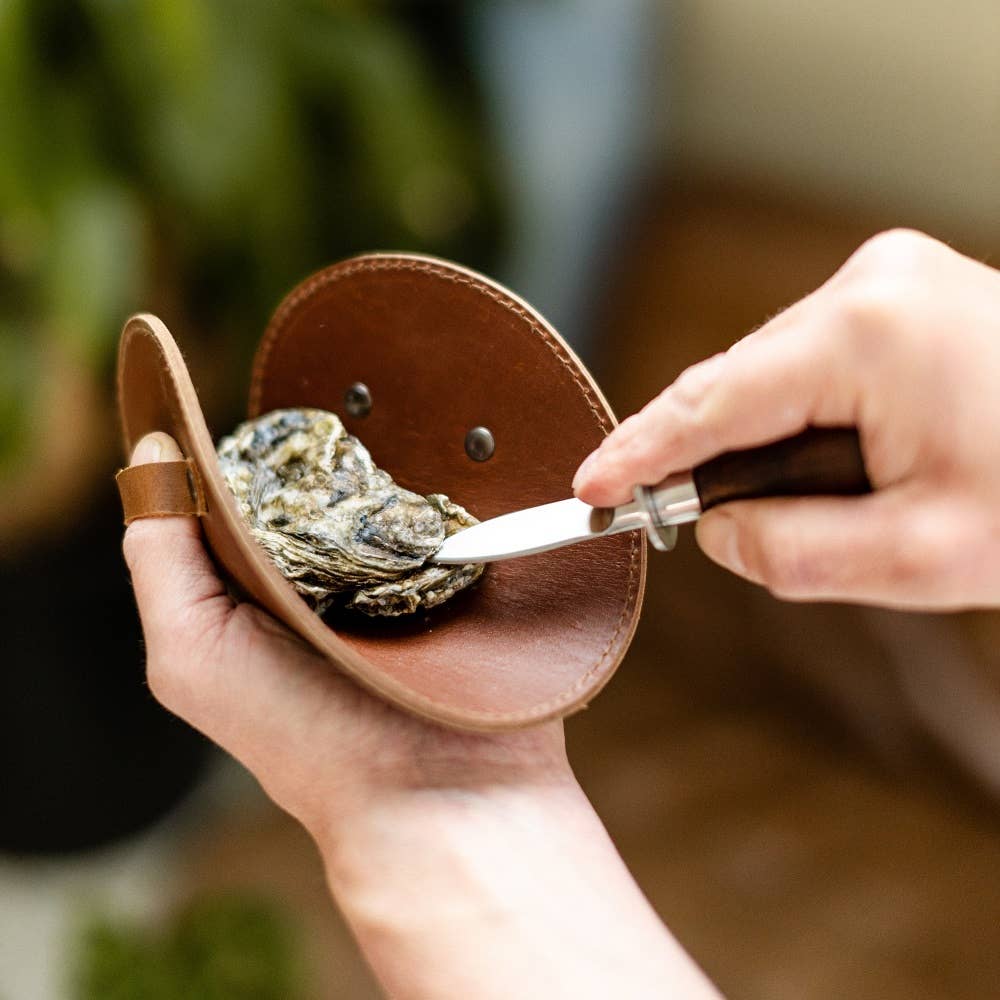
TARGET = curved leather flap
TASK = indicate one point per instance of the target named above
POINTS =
(442, 350)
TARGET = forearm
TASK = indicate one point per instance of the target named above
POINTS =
(510, 892)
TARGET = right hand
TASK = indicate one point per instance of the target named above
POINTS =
(903, 343)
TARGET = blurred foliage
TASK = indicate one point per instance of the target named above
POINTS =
(202, 156)
(234, 947)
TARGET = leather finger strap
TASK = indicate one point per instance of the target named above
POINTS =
(160, 489)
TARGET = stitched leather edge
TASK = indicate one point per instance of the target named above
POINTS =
(337, 272)
(277, 329)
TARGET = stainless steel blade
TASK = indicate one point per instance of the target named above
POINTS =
(536, 529)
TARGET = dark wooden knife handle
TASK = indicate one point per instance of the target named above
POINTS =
(821, 461)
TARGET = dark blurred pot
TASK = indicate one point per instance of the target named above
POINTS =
(86, 754)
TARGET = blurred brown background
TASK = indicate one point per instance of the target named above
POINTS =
(807, 794)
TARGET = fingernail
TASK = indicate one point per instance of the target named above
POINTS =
(156, 447)
(147, 450)
(586, 467)
(718, 537)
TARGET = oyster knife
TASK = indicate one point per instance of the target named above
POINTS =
(817, 462)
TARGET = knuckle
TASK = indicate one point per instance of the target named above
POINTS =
(689, 409)
(869, 316)
(133, 545)
(939, 549)
(620, 439)
(693, 385)
(148, 545)
(881, 278)
(613, 464)
(871, 313)
(640, 439)
(925, 549)
(894, 249)
(788, 572)
(787, 564)
(625, 428)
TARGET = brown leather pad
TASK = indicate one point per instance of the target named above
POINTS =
(442, 350)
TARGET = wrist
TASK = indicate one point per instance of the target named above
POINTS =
(427, 768)
(501, 890)
(432, 884)
(359, 845)
(388, 820)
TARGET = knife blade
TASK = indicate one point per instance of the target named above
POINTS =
(819, 461)
(525, 532)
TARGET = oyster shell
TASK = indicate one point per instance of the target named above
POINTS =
(335, 524)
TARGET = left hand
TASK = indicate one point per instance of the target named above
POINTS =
(319, 744)
(466, 864)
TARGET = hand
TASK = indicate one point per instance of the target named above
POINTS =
(903, 343)
(467, 865)
(319, 744)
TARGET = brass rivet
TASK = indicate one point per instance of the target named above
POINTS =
(479, 444)
(358, 400)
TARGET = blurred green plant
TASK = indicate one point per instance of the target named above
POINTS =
(232, 947)
(200, 157)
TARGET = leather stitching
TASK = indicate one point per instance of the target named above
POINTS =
(279, 322)
(276, 328)
(276, 331)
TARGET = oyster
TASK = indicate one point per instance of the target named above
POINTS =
(335, 524)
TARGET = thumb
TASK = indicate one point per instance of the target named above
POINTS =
(176, 586)
(877, 549)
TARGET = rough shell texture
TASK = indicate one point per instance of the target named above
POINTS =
(335, 524)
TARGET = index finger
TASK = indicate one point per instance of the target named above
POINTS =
(777, 382)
